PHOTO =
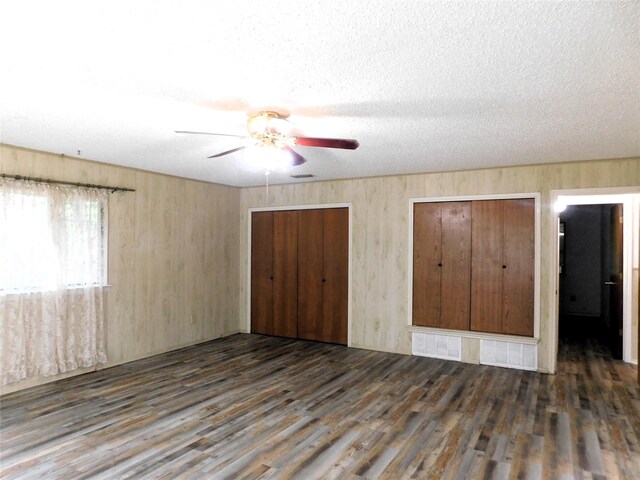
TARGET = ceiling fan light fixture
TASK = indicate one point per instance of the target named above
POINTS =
(269, 128)
(267, 158)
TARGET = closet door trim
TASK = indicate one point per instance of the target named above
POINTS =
(349, 207)
(461, 198)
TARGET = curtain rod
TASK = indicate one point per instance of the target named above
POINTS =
(75, 184)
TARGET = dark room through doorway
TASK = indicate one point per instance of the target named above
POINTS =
(591, 264)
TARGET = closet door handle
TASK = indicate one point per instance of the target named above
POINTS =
(439, 264)
(324, 280)
(271, 277)
(504, 266)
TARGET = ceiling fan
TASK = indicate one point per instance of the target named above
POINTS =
(271, 130)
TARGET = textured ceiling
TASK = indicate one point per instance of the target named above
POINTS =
(423, 86)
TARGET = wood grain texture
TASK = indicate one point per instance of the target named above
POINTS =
(456, 265)
(262, 274)
(442, 264)
(518, 257)
(502, 258)
(251, 406)
(310, 272)
(173, 255)
(381, 216)
(300, 274)
(486, 265)
(216, 280)
(335, 275)
(427, 263)
(285, 273)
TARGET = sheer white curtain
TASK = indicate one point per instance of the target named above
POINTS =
(52, 275)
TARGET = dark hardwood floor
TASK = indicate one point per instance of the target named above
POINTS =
(250, 406)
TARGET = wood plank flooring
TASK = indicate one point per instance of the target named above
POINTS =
(251, 406)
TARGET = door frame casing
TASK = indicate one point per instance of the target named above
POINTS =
(627, 196)
(323, 206)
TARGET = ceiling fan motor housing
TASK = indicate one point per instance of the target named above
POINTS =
(269, 128)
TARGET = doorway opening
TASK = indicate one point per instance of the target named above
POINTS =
(621, 291)
(590, 278)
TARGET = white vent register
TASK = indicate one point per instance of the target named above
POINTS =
(448, 347)
(509, 354)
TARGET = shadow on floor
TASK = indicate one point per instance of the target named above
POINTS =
(584, 332)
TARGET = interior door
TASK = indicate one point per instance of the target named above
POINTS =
(615, 282)
(262, 272)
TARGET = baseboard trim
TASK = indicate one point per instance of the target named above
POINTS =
(378, 349)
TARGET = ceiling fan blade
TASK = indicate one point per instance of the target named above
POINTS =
(227, 152)
(345, 143)
(296, 158)
(209, 133)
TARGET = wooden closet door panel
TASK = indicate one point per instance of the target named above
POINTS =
(518, 257)
(310, 316)
(486, 265)
(262, 272)
(285, 273)
(335, 280)
(427, 256)
(456, 265)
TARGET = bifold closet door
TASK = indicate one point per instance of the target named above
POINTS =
(455, 296)
(323, 251)
(427, 255)
(441, 264)
(310, 274)
(503, 266)
(262, 272)
(335, 284)
(299, 274)
(486, 265)
(274, 275)
(519, 257)
(285, 273)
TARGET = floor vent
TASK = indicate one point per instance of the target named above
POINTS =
(448, 347)
(523, 356)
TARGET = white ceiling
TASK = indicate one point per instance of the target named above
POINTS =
(423, 86)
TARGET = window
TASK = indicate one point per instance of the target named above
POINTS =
(49, 241)
(52, 270)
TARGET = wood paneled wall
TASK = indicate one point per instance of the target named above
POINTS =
(172, 260)
(173, 255)
(380, 255)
